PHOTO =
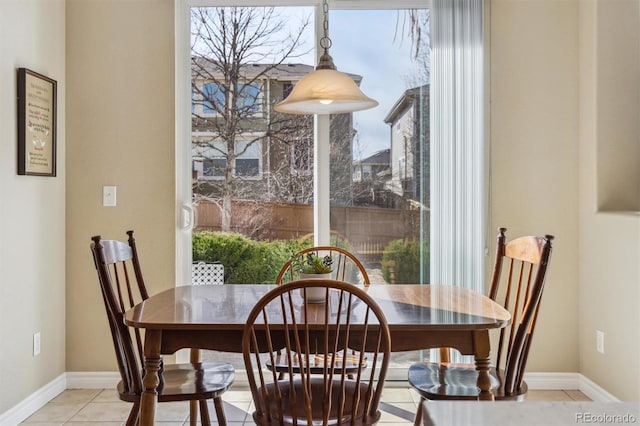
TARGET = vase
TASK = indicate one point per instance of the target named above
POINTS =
(315, 294)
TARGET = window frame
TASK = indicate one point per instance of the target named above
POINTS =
(183, 115)
(183, 99)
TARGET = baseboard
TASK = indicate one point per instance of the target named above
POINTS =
(568, 381)
(553, 381)
(109, 379)
(34, 402)
(594, 391)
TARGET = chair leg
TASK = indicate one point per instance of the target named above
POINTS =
(193, 413)
(445, 355)
(418, 418)
(132, 420)
(219, 406)
(204, 413)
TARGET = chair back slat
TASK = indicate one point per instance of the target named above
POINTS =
(136, 266)
(519, 290)
(118, 271)
(316, 337)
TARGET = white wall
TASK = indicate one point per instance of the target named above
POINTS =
(564, 117)
(32, 209)
(121, 131)
(534, 156)
(609, 242)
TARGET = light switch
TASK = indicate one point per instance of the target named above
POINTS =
(109, 196)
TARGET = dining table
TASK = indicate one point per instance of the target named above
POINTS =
(420, 316)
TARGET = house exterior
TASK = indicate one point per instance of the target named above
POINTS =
(370, 176)
(273, 154)
(410, 144)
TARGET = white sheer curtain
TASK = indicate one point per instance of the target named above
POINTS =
(458, 193)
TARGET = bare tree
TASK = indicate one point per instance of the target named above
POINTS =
(416, 25)
(235, 52)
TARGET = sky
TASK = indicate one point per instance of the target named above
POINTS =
(365, 43)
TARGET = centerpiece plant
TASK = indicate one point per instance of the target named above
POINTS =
(311, 266)
(310, 263)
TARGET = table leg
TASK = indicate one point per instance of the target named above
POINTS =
(151, 380)
(194, 406)
(482, 354)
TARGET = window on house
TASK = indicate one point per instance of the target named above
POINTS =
(213, 96)
(214, 167)
(248, 159)
(247, 167)
(249, 97)
(212, 159)
(367, 175)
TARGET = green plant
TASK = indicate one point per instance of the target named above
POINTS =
(401, 262)
(311, 263)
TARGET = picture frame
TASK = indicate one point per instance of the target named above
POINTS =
(37, 115)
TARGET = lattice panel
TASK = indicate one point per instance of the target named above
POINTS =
(207, 273)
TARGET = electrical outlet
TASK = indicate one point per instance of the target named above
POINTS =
(600, 341)
(36, 344)
(109, 196)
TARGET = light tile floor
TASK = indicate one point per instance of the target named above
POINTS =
(77, 407)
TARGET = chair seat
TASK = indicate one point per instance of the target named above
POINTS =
(317, 364)
(319, 388)
(183, 382)
(456, 381)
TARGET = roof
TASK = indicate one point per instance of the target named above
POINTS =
(405, 101)
(288, 72)
(380, 157)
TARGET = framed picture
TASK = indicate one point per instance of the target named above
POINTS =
(36, 124)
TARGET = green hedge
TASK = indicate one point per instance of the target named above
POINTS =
(401, 262)
(245, 260)
(249, 261)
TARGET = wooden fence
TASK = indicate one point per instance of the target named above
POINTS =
(368, 229)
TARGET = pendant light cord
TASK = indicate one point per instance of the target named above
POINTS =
(326, 61)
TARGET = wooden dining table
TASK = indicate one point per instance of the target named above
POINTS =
(213, 317)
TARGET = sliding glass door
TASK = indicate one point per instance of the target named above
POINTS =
(252, 181)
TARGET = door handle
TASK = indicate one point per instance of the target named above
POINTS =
(187, 217)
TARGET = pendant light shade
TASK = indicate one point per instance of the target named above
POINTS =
(325, 90)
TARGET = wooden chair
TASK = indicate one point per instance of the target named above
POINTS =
(346, 267)
(321, 392)
(519, 289)
(122, 286)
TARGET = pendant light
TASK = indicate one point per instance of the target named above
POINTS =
(325, 90)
